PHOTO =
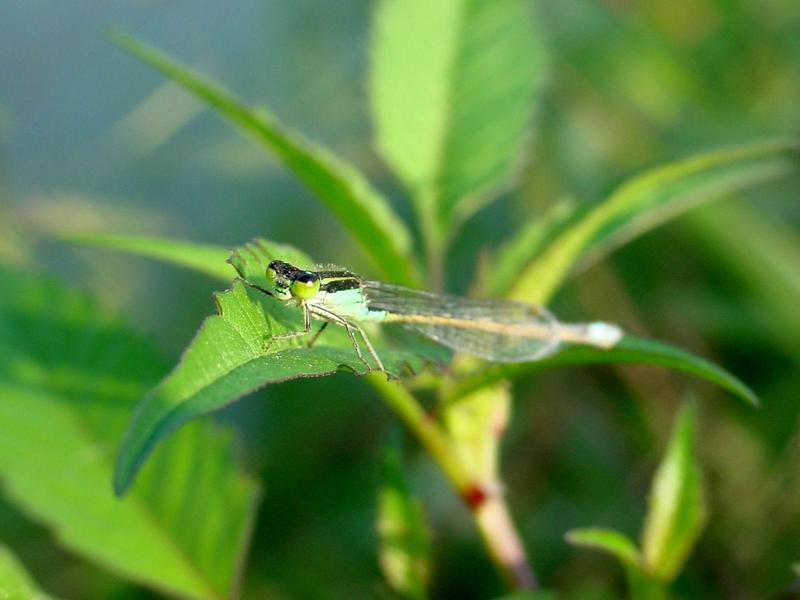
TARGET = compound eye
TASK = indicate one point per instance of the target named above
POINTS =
(305, 286)
(272, 274)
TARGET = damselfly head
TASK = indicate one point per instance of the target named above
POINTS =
(289, 282)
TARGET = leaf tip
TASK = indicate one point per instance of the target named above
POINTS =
(121, 482)
(751, 398)
(740, 389)
(120, 38)
(76, 239)
(132, 454)
(572, 537)
(124, 472)
(134, 46)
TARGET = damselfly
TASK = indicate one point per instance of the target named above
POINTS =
(495, 330)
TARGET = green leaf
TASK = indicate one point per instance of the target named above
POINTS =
(452, 86)
(642, 586)
(512, 256)
(677, 511)
(359, 207)
(15, 583)
(412, 50)
(405, 540)
(207, 259)
(630, 349)
(609, 540)
(648, 200)
(69, 381)
(249, 261)
(235, 353)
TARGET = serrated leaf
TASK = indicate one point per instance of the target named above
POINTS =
(630, 349)
(648, 200)
(15, 583)
(613, 542)
(360, 208)
(235, 353)
(677, 510)
(68, 387)
(204, 258)
(405, 540)
(453, 85)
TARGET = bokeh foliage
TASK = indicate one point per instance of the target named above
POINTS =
(627, 87)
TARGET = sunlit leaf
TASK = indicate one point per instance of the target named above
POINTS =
(15, 583)
(359, 207)
(412, 50)
(631, 349)
(204, 258)
(68, 382)
(677, 511)
(453, 86)
(235, 353)
(405, 544)
(648, 200)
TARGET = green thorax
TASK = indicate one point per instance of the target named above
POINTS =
(341, 292)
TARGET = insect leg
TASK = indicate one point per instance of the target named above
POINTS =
(304, 331)
(316, 335)
(242, 277)
(350, 333)
(255, 286)
(369, 346)
(349, 328)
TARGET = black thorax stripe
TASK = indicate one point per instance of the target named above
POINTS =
(334, 281)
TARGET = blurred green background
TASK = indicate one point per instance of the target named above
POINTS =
(91, 140)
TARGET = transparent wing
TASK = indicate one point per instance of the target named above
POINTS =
(497, 330)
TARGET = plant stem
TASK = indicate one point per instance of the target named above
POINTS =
(425, 428)
(642, 587)
(504, 544)
(488, 508)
